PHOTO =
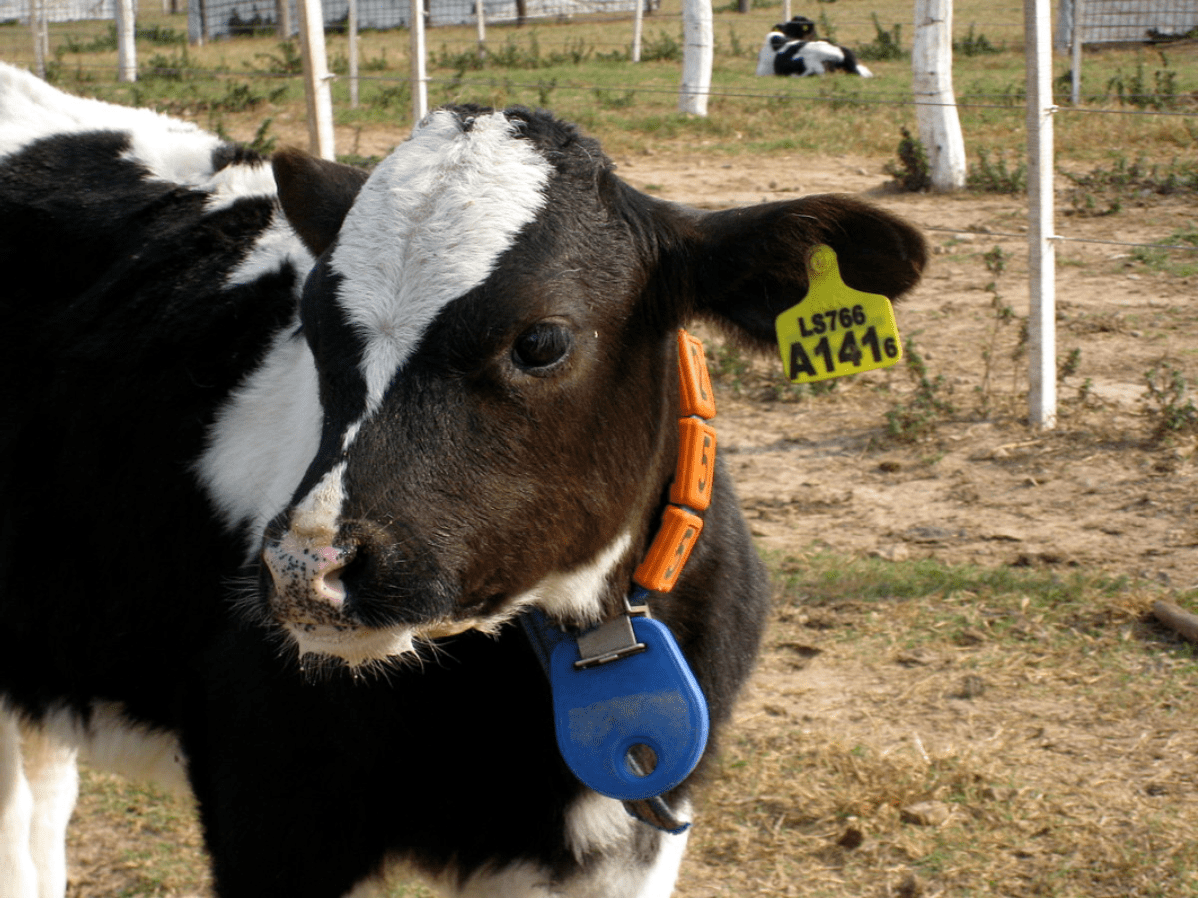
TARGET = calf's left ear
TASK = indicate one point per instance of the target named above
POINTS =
(315, 194)
(749, 265)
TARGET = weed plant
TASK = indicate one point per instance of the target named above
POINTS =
(976, 45)
(886, 44)
(1125, 179)
(912, 174)
(996, 176)
(1003, 316)
(917, 417)
(1168, 402)
(1134, 90)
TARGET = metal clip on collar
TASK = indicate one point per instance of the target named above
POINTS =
(612, 640)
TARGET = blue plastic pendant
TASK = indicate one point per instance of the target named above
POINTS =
(601, 713)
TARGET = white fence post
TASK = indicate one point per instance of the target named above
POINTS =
(283, 16)
(480, 14)
(697, 56)
(1075, 75)
(932, 85)
(1042, 373)
(638, 22)
(419, 64)
(316, 78)
(40, 30)
(126, 40)
(351, 34)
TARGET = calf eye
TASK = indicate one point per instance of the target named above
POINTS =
(541, 347)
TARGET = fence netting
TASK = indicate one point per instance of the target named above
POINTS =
(55, 10)
(1125, 21)
(216, 18)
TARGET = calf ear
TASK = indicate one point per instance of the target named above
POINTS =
(315, 195)
(752, 262)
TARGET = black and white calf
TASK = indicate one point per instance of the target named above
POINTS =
(792, 49)
(281, 465)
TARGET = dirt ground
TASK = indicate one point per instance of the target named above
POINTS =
(1095, 492)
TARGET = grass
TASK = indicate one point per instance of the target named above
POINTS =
(1041, 717)
(570, 64)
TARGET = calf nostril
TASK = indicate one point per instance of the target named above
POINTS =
(303, 571)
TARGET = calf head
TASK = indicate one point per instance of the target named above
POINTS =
(491, 319)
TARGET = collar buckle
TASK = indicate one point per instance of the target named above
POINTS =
(613, 639)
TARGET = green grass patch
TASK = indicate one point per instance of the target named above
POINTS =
(582, 69)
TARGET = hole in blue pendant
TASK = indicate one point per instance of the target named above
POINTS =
(640, 759)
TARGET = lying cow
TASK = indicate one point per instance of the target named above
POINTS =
(791, 49)
(283, 465)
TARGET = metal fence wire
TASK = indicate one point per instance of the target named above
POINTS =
(55, 10)
(217, 18)
(1125, 21)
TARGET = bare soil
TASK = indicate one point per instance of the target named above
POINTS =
(820, 471)
(1095, 491)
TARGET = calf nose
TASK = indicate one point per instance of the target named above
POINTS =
(307, 572)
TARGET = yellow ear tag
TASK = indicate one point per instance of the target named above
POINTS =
(836, 330)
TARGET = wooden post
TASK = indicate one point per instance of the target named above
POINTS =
(932, 85)
(419, 70)
(316, 79)
(1041, 321)
(697, 54)
(785, 10)
(126, 40)
(351, 33)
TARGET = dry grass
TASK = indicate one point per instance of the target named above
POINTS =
(1049, 726)
(633, 108)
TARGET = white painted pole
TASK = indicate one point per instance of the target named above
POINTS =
(1075, 76)
(638, 24)
(480, 14)
(283, 14)
(785, 10)
(697, 55)
(935, 102)
(1042, 375)
(316, 78)
(126, 41)
(40, 31)
(419, 70)
(351, 33)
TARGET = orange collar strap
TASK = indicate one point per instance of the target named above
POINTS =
(690, 493)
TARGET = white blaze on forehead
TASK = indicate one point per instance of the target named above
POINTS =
(315, 518)
(427, 227)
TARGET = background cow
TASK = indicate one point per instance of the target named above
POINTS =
(793, 49)
(286, 449)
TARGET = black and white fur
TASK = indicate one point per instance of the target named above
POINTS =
(792, 49)
(285, 449)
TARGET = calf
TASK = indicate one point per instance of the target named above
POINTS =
(283, 464)
(790, 49)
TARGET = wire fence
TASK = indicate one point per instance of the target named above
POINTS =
(55, 10)
(210, 19)
(1125, 21)
(238, 17)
